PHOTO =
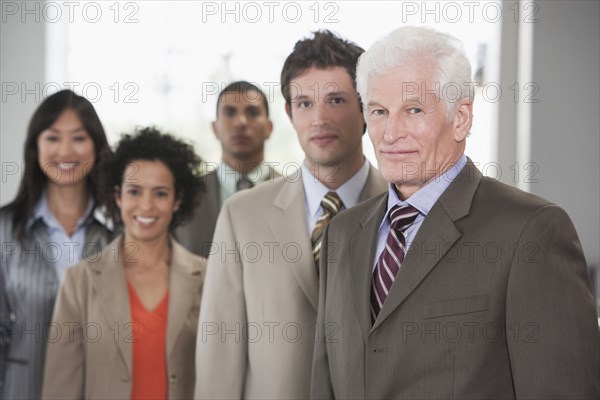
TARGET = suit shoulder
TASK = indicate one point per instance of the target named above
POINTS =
(186, 256)
(511, 197)
(6, 216)
(359, 212)
(258, 195)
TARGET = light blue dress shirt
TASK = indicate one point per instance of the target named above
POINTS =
(63, 250)
(423, 200)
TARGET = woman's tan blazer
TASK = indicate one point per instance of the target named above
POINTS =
(89, 352)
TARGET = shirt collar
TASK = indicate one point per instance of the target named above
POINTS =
(229, 176)
(424, 198)
(42, 212)
(349, 192)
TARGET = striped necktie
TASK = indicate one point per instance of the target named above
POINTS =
(331, 204)
(392, 256)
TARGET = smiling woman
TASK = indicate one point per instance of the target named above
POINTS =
(144, 286)
(50, 226)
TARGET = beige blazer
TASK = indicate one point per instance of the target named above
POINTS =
(256, 332)
(197, 233)
(90, 351)
(493, 301)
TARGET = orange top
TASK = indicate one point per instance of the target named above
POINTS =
(149, 348)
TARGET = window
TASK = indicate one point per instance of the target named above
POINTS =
(163, 62)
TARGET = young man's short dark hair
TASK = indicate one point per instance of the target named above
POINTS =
(324, 50)
(243, 87)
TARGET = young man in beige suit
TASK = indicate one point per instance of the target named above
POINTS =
(451, 285)
(242, 126)
(257, 322)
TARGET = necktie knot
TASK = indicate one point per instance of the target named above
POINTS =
(401, 217)
(243, 183)
(331, 203)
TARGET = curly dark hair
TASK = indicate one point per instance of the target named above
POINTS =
(150, 144)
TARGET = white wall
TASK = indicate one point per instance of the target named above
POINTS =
(22, 57)
(565, 124)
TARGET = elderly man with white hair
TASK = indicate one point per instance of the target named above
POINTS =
(450, 284)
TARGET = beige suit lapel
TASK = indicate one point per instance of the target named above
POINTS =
(110, 286)
(184, 281)
(437, 232)
(288, 224)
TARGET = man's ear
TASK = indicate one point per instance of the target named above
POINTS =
(269, 129)
(463, 119)
(215, 129)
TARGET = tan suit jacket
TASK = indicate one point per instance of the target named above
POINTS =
(256, 333)
(90, 354)
(197, 233)
(493, 301)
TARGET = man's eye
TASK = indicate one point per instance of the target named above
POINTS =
(415, 110)
(132, 192)
(161, 194)
(304, 104)
(377, 112)
(337, 100)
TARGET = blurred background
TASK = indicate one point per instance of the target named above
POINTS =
(535, 72)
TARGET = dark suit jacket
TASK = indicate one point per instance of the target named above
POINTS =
(197, 233)
(493, 301)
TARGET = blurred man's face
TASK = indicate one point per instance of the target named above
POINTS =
(242, 126)
(413, 139)
(326, 115)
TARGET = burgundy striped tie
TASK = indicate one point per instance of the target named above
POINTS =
(391, 257)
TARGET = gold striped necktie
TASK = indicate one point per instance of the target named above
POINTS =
(331, 205)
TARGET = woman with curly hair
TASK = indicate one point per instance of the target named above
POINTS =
(128, 319)
(49, 226)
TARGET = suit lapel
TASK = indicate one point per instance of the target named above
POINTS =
(184, 281)
(111, 289)
(288, 224)
(436, 236)
(361, 262)
(374, 185)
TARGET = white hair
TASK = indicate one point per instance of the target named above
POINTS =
(442, 50)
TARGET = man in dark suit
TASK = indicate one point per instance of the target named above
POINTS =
(451, 284)
(242, 126)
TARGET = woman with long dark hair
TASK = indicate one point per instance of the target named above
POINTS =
(49, 226)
